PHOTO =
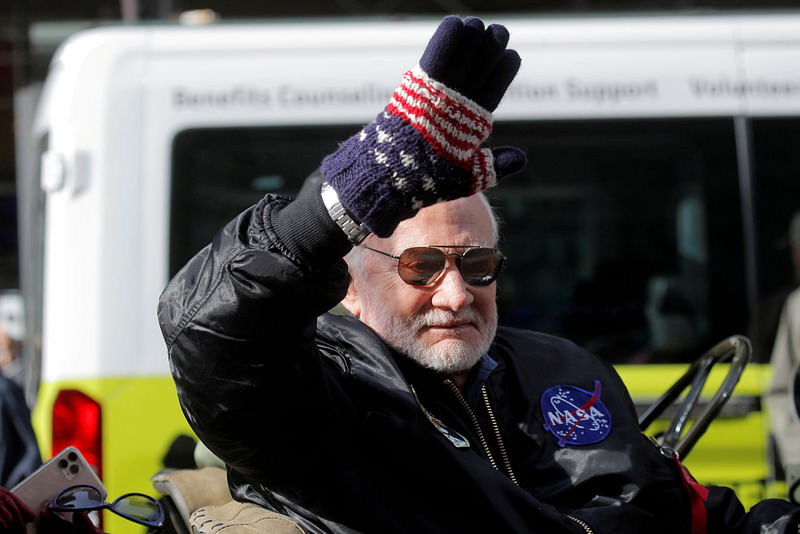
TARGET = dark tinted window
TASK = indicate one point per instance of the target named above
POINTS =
(624, 236)
(216, 173)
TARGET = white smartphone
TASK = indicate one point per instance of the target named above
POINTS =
(65, 469)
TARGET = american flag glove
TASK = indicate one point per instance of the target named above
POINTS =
(424, 147)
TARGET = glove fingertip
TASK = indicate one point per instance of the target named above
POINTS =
(510, 63)
(501, 77)
(474, 23)
(451, 20)
(441, 46)
(461, 73)
(499, 34)
(508, 160)
(447, 33)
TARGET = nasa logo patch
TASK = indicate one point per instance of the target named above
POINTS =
(575, 416)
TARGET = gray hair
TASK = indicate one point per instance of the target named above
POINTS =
(493, 216)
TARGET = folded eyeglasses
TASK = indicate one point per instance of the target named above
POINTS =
(136, 507)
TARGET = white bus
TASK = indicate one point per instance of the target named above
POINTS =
(664, 161)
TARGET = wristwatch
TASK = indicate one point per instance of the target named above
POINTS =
(355, 232)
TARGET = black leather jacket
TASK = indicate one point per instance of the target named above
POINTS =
(318, 419)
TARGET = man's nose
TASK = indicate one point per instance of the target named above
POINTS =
(451, 291)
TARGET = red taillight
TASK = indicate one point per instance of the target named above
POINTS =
(77, 421)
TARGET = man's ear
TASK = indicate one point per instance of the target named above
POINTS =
(351, 301)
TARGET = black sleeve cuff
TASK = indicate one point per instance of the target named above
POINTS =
(305, 227)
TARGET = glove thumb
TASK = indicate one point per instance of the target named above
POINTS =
(508, 160)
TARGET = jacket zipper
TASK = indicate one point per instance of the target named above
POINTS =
(499, 436)
(582, 523)
(500, 444)
(479, 430)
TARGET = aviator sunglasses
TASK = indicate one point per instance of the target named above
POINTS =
(136, 507)
(422, 266)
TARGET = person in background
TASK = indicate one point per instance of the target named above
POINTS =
(785, 360)
(12, 333)
(416, 413)
(19, 448)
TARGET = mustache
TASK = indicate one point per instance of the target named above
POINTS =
(445, 318)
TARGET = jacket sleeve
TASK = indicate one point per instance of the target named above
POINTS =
(726, 514)
(239, 323)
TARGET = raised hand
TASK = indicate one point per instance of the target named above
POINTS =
(424, 147)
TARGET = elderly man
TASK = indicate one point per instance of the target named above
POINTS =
(416, 413)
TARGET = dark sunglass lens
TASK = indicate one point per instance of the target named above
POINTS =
(79, 497)
(419, 265)
(138, 507)
(479, 266)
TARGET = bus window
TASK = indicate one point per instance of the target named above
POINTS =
(624, 235)
(216, 173)
(777, 194)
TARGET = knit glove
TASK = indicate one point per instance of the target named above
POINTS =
(424, 147)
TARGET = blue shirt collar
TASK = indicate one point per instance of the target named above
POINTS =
(477, 378)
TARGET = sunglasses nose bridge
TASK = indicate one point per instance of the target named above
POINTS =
(451, 261)
(451, 291)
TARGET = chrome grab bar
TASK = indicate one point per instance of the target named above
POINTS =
(739, 351)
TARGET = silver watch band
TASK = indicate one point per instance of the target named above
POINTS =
(355, 232)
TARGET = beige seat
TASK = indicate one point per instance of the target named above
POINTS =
(204, 505)
(240, 518)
